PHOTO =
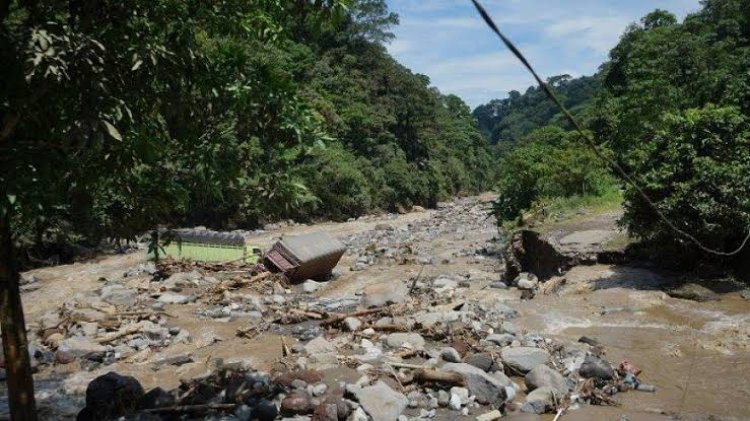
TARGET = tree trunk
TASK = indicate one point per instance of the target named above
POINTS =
(17, 364)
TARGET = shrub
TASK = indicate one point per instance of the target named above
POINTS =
(548, 163)
(696, 169)
(334, 177)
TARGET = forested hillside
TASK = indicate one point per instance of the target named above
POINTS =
(225, 114)
(675, 113)
(505, 121)
(672, 110)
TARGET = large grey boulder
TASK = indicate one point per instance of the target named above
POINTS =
(380, 401)
(540, 400)
(118, 295)
(543, 376)
(597, 368)
(487, 388)
(174, 298)
(380, 294)
(483, 361)
(524, 359)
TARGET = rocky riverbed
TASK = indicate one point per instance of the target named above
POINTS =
(423, 319)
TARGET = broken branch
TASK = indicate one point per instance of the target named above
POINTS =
(128, 330)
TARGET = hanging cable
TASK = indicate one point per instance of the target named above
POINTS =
(592, 144)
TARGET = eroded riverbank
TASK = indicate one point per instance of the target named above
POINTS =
(431, 264)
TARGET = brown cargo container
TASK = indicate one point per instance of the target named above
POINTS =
(305, 256)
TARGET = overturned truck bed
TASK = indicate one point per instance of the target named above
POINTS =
(306, 256)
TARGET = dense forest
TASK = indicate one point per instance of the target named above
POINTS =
(670, 106)
(118, 116)
(227, 114)
(506, 121)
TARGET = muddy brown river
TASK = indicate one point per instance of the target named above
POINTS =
(696, 354)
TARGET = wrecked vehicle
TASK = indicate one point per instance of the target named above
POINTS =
(305, 256)
(204, 245)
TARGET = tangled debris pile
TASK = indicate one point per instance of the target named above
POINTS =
(439, 346)
(127, 320)
(426, 349)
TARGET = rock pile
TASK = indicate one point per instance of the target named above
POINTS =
(420, 352)
(411, 349)
(391, 244)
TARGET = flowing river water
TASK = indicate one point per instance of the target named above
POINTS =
(695, 353)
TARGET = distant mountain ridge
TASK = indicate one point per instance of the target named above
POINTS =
(505, 121)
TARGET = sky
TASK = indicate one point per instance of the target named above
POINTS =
(447, 41)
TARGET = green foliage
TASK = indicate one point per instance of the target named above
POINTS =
(675, 113)
(662, 67)
(225, 114)
(696, 168)
(548, 163)
(506, 121)
(335, 177)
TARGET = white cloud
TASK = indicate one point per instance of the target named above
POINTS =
(447, 40)
(598, 33)
(400, 46)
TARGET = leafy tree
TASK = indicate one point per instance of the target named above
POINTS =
(696, 169)
(674, 112)
(371, 20)
(506, 121)
(548, 163)
(112, 133)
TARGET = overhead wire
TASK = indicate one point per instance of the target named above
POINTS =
(589, 140)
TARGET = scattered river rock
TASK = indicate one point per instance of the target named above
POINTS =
(487, 388)
(524, 359)
(409, 340)
(379, 401)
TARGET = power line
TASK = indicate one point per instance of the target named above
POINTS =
(592, 144)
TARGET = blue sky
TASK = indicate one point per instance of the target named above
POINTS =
(447, 41)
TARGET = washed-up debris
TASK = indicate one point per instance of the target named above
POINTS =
(306, 256)
(420, 346)
(205, 245)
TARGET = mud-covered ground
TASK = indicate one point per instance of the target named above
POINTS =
(435, 278)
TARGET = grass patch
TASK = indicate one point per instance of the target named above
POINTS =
(553, 210)
(611, 200)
